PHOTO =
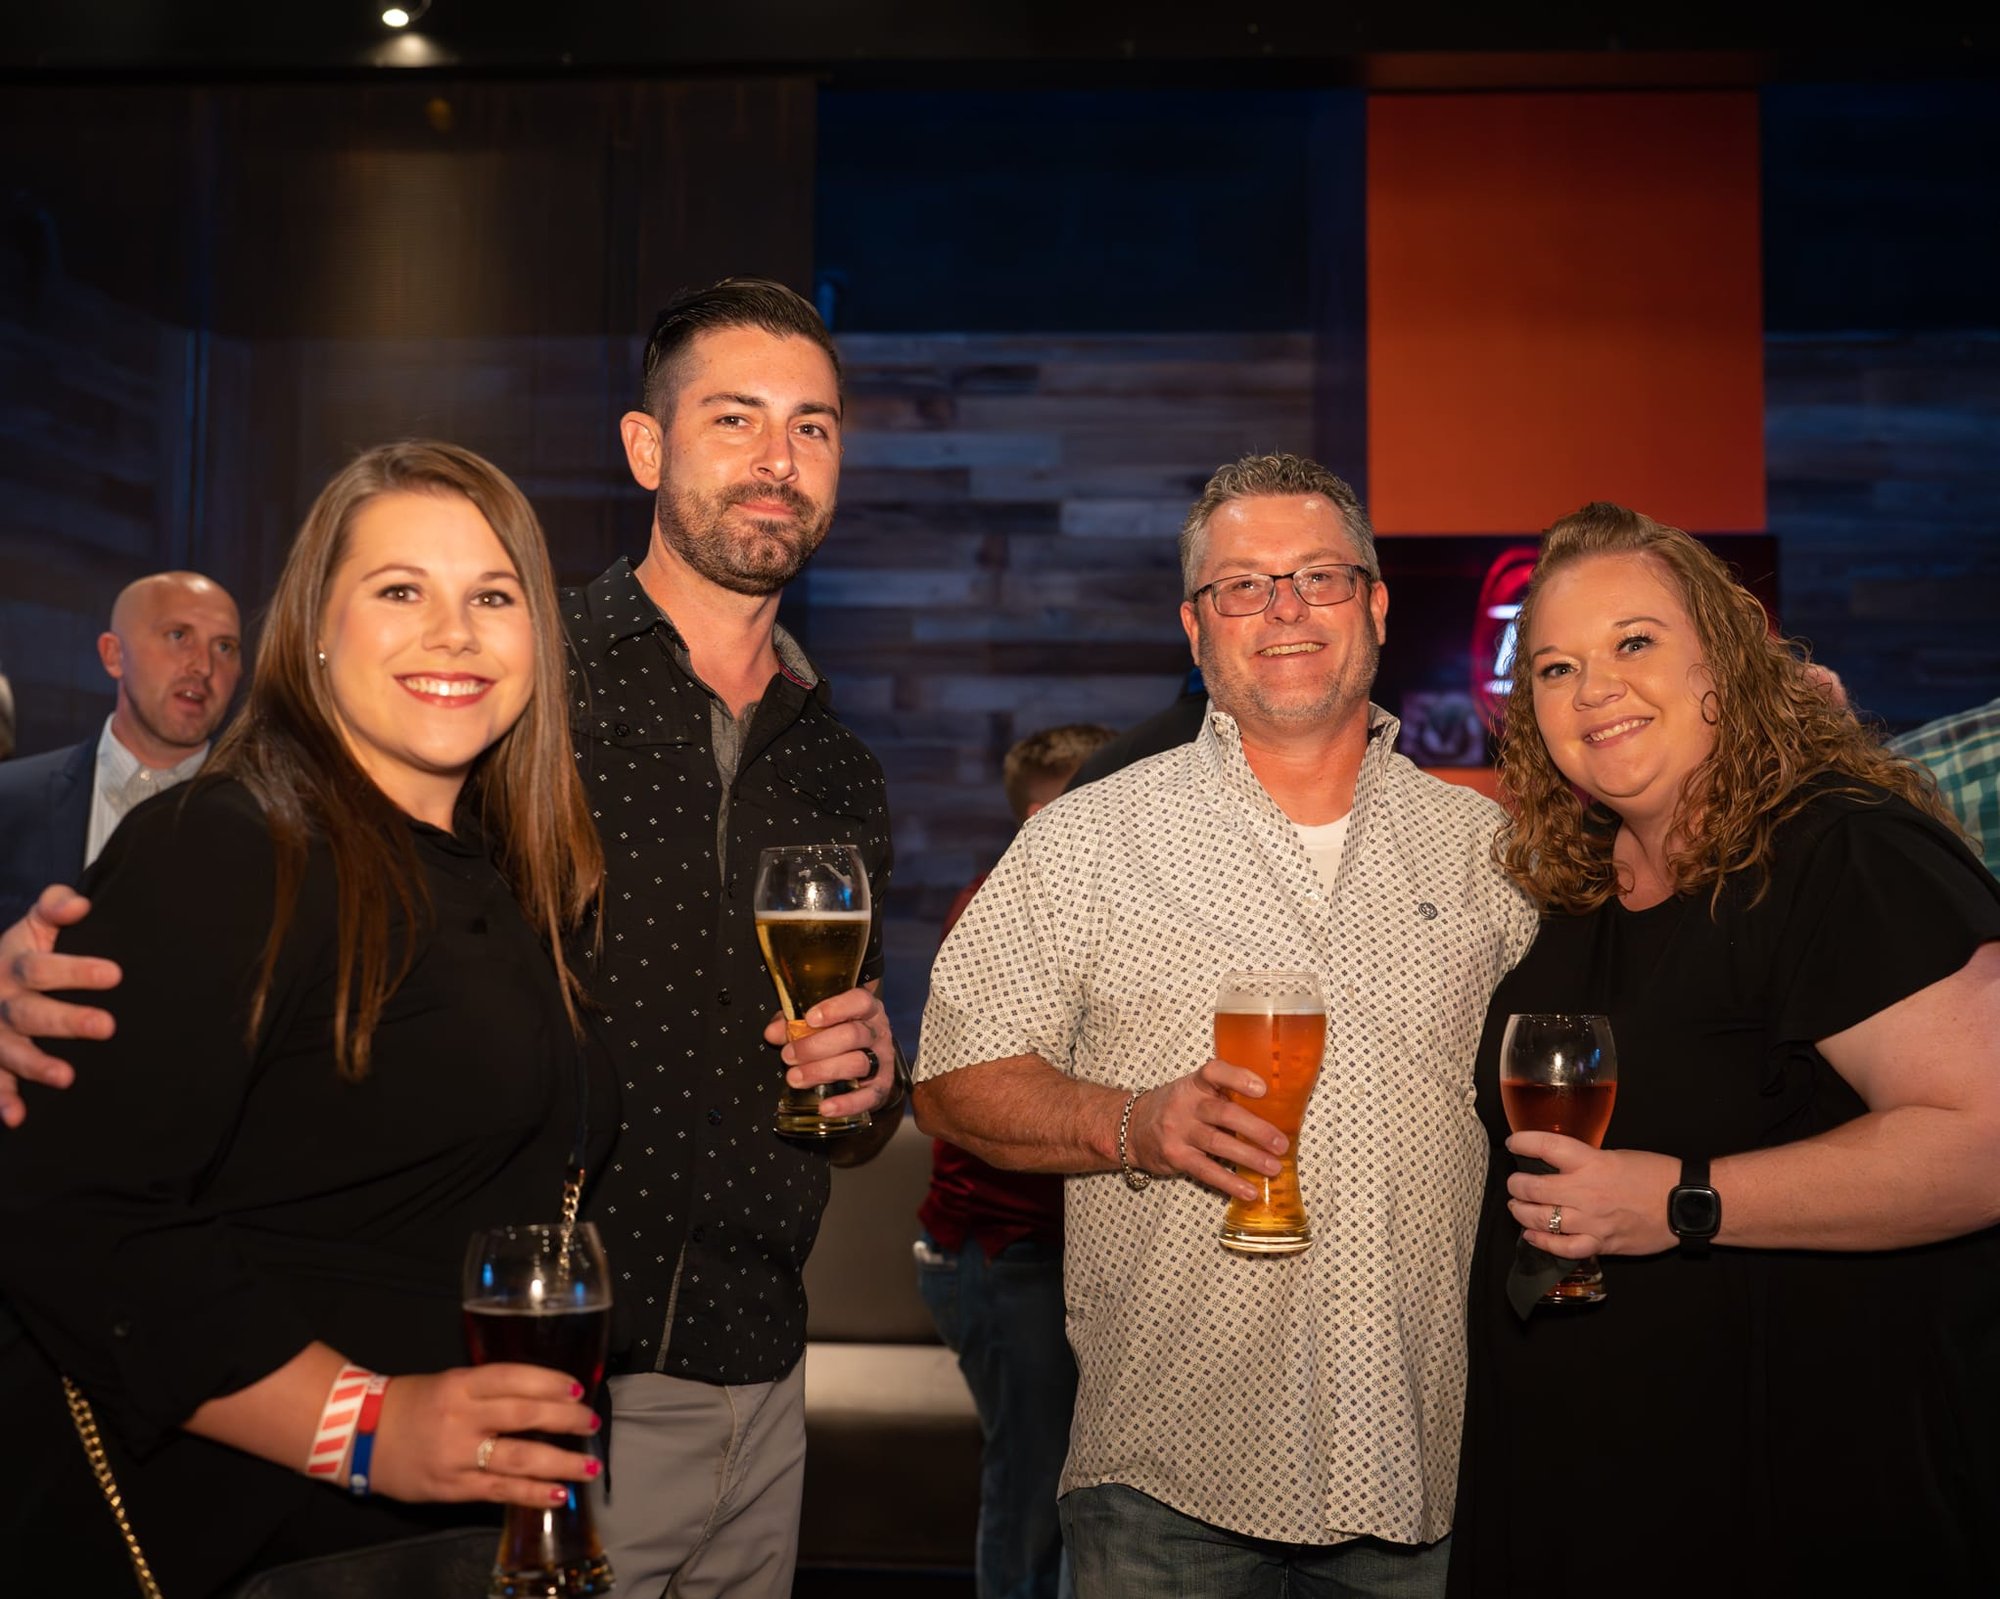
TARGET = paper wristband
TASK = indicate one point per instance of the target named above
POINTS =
(364, 1435)
(327, 1459)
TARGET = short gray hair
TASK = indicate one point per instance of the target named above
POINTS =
(1272, 477)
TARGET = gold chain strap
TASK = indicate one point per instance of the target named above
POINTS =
(100, 1466)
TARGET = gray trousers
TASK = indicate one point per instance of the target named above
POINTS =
(705, 1487)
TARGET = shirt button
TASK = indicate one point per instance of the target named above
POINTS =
(698, 1234)
(121, 1328)
(715, 1118)
(722, 996)
(621, 730)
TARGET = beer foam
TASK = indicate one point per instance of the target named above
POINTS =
(1280, 1008)
(814, 916)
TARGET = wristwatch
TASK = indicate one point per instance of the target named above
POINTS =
(1694, 1208)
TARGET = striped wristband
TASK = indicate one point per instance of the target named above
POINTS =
(364, 1436)
(347, 1404)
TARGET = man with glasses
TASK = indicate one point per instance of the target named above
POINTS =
(1248, 1425)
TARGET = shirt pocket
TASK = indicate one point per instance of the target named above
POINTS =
(615, 731)
(845, 798)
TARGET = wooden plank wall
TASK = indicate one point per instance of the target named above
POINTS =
(1005, 558)
(95, 428)
(1884, 459)
(211, 296)
(288, 412)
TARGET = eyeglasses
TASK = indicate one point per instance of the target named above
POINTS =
(1249, 593)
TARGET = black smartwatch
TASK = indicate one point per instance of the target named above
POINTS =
(1694, 1208)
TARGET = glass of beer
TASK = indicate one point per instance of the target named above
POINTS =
(811, 903)
(541, 1296)
(1559, 1074)
(1274, 1024)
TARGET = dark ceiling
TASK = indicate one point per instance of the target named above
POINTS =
(1380, 43)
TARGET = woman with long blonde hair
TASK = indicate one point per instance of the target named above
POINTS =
(347, 1038)
(1792, 1384)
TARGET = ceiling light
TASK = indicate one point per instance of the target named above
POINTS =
(403, 15)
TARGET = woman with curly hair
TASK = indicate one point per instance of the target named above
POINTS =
(1794, 1383)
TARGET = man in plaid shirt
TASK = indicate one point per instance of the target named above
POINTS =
(1963, 753)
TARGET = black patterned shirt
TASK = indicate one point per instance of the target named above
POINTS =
(1314, 1397)
(707, 1215)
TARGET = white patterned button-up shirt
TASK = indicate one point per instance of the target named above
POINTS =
(1313, 1397)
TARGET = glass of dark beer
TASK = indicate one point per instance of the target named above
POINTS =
(812, 909)
(541, 1296)
(1559, 1074)
(1272, 1023)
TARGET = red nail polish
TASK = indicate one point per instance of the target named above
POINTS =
(558, 1496)
(596, 1423)
(593, 1468)
(576, 1390)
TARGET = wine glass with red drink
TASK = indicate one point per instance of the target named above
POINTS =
(1559, 1074)
(541, 1295)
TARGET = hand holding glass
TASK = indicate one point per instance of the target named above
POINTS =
(541, 1296)
(812, 909)
(1272, 1023)
(1559, 1074)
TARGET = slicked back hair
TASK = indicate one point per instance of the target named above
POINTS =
(1277, 476)
(732, 303)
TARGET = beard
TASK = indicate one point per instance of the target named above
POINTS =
(1234, 688)
(759, 559)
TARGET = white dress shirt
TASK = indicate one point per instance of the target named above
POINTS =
(122, 780)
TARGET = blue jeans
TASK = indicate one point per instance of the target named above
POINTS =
(1124, 1545)
(1004, 1319)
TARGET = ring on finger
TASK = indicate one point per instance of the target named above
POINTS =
(483, 1456)
(1556, 1219)
(874, 1062)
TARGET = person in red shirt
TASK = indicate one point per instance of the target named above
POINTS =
(989, 1265)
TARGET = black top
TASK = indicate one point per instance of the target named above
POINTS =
(195, 1211)
(1754, 1422)
(707, 1214)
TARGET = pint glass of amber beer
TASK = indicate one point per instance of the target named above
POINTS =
(812, 909)
(1274, 1024)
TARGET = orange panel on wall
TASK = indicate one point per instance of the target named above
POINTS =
(1564, 304)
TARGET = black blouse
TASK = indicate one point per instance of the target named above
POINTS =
(195, 1210)
(1753, 1421)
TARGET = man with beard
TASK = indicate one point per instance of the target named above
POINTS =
(1247, 1425)
(175, 650)
(702, 732)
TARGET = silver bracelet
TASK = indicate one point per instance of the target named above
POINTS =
(1135, 1179)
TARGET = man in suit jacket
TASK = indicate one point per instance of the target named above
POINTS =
(175, 650)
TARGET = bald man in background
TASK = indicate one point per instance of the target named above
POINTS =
(175, 650)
